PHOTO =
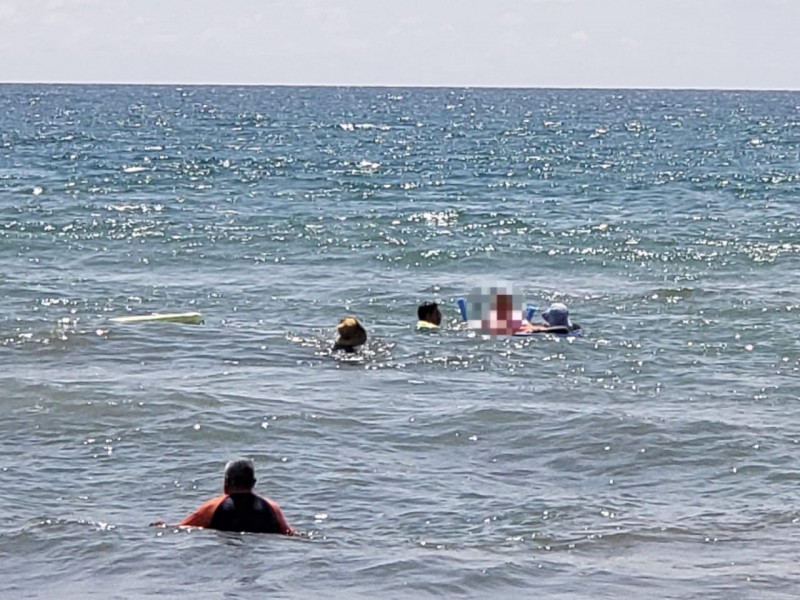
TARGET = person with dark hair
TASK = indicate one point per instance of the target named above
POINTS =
(238, 508)
(429, 315)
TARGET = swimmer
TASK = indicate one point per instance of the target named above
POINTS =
(350, 335)
(429, 316)
(557, 317)
(238, 508)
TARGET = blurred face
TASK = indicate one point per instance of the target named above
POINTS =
(504, 306)
(494, 310)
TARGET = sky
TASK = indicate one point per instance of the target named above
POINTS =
(710, 44)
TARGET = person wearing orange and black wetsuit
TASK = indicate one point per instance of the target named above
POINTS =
(238, 508)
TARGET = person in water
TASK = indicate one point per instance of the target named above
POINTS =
(557, 317)
(350, 334)
(429, 316)
(238, 508)
(556, 320)
(503, 319)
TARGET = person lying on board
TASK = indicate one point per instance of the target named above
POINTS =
(238, 508)
(556, 320)
(350, 334)
(429, 316)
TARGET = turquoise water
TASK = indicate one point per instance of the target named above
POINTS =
(654, 457)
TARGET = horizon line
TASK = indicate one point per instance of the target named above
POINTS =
(405, 86)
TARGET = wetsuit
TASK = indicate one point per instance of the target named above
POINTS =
(240, 512)
(348, 349)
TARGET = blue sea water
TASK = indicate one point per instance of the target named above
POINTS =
(655, 457)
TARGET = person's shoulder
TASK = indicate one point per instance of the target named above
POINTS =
(215, 501)
(276, 508)
(269, 501)
(205, 512)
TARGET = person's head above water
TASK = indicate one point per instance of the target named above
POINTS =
(240, 476)
(429, 313)
(557, 315)
(350, 334)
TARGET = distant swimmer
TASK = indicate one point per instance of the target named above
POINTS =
(429, 316)
(238, 508)
(350, 335)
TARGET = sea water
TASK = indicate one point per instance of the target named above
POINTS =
(655, 457)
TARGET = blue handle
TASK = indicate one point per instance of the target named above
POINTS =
(529, 312)
(462, 308)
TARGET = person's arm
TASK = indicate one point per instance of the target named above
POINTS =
(203, 515)
(284, 526)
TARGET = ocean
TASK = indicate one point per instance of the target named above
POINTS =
(654, 457)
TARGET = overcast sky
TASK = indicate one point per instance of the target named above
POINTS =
(748, 44)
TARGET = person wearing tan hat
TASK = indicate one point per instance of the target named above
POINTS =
(350, 335)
